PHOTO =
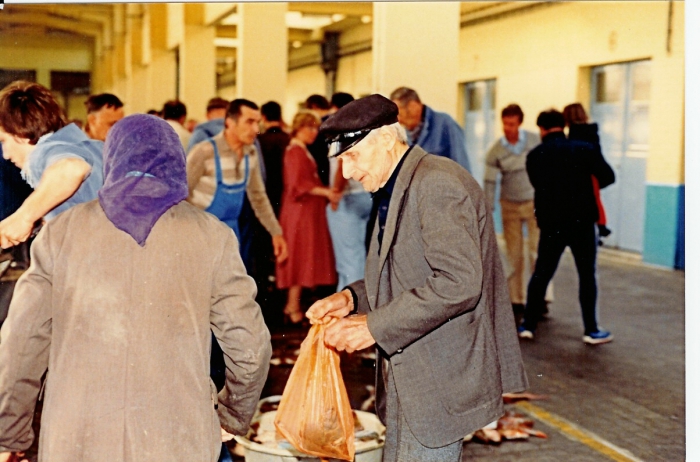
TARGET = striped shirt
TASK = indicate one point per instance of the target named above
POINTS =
(201, 179)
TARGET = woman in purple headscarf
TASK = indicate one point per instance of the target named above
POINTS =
(118, 304)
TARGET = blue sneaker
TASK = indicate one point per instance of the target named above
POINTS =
(524, 333)
(598, 337)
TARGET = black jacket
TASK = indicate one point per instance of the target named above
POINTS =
(560, 171)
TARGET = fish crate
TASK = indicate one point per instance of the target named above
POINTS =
(281, 451)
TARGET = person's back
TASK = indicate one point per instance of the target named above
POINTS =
(560, 171)
(118, 304)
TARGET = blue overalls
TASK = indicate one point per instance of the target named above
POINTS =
(228, 199)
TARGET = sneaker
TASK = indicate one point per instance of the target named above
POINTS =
(524, 333)
(598, 337)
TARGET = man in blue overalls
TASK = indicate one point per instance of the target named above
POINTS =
(221, 171)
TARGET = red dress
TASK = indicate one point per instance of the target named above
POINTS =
(303, 219)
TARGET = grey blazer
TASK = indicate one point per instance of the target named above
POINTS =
(437, 303)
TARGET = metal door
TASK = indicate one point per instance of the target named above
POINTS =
(620, 105)
(479, 119)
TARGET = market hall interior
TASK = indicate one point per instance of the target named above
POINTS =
(623, 61)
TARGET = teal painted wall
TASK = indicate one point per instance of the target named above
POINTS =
(664, 229)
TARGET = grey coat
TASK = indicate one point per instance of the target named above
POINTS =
(125, 333)
(437, 303)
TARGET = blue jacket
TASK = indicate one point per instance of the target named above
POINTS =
(68, 142)
(441, 135)
(204, 131)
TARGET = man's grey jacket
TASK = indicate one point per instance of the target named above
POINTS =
(437, 303)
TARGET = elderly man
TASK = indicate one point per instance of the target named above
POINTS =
(434, 299)
(103, 111)
(144, 327)
(57, 159)
(434, 131)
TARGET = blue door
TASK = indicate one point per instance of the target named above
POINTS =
(620, 105)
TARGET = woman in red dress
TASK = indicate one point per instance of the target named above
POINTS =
(303, 219)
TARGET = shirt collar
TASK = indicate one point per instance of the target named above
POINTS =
(519, 146)
(388, 189)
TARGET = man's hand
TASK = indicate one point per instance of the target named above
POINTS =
(279, 246)
(349, 334)
(14, 230)
(336, 306)
(225, 436)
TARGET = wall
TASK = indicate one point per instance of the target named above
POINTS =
(544, 64)
(60, 54)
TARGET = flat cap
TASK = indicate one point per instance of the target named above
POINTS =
(355, 120)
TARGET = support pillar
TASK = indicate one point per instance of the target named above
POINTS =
(261, 64)
(416, 44)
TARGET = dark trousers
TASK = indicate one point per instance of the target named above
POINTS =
(582, 240)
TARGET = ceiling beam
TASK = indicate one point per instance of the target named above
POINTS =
(327, 8)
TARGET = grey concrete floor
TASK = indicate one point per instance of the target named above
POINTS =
(621, 401)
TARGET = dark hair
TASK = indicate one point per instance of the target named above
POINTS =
(217, 103)
(575, 114)
(154, 112)
(317, 102)
(234, 109)
(272, 111)
(513, 110)
(174, 110)
(340, 99)
(96, 102)
(404, 95)
(29, 110)
(550, 119)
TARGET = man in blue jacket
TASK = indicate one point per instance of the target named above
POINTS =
(57, 159)
(436, 132)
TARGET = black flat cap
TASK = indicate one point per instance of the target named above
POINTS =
(355, 120)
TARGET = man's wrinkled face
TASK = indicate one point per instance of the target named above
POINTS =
(409, 114)
(14, 148)
(368, 162)
(511, 125)
(101, 121)
(245, 128)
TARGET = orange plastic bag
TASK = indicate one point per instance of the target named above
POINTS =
(314, 414)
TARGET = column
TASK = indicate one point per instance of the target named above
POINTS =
(261, 64)
(417, 45)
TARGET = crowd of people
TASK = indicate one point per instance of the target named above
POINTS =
(366, 197)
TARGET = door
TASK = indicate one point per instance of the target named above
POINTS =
(479, 119)
(620, 105)
(479, 126)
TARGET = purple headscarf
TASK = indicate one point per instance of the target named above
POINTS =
(144, 174)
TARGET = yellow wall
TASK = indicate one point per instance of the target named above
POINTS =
(355, 74)
(61, 54)
(539, 58)
(301, 83)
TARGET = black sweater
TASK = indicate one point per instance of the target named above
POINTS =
(560, 171)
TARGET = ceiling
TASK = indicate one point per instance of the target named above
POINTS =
(307, 22)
